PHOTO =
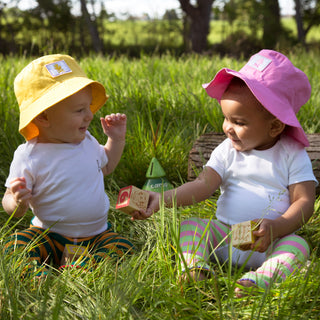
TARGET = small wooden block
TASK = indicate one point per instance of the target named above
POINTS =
(73, 252)
(242, 233)
(132, 199)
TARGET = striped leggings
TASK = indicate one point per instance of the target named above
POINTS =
(202, 239)
(44, 247)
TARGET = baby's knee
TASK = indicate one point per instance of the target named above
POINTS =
(294, 244)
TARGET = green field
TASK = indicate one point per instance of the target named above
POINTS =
(167, 110)
(162, 33)
(131, 37)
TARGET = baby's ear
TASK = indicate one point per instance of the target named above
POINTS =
(276, 127)
(41, 120)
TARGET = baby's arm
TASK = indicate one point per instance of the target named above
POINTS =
(114, 126)
(189, 193)
(16, 198)
(302, 198)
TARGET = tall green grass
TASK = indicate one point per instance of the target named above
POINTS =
(146, 286)
(167, 110)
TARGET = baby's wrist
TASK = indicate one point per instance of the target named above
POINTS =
(118, 140)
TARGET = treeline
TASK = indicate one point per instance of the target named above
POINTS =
(79, 28)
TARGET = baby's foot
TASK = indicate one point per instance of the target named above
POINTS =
(195, 274)
(245, 288)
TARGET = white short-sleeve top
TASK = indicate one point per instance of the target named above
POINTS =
(67, 184)
(255, 183)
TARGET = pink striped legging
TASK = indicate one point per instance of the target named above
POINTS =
(202, 239)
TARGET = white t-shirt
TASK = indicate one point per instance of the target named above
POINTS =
(67, 185)
(255, 183)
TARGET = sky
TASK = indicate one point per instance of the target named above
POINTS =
(154, 8)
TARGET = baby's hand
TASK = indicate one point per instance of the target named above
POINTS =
(21, 194)
(245, 247)
(114, 126)
(141, 215)
(153, 206)
(265, 235)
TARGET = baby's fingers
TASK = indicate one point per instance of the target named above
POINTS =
(23, 197)
(18, 184)
(259, 245)
(114, 118)
(139, 215)
(244, 247)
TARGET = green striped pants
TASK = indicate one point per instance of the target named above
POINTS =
(201, 239)
(42, 247)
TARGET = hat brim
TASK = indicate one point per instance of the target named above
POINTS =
(266, 97)
(56, 94)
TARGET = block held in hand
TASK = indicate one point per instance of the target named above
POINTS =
(132, 199)
(242, 233)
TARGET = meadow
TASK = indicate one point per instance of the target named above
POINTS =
(167, 33)
(167, 110)
(131, 37)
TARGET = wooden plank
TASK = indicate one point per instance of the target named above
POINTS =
(205, 144)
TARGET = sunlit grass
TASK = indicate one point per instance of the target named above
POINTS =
(146, 285)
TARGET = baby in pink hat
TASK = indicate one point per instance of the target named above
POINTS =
(263, 172)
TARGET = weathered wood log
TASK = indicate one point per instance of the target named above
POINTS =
(203, 146)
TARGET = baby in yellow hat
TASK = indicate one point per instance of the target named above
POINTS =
(59, 172)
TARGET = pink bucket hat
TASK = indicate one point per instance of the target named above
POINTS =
(276, 83)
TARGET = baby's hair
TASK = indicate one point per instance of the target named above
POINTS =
(238, 83)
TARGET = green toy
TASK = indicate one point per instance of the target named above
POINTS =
(156, 178)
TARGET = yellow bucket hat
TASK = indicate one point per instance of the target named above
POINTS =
(46, 81)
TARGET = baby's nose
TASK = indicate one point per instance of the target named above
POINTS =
(89, 115)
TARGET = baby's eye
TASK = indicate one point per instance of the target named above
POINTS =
(239, 123)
